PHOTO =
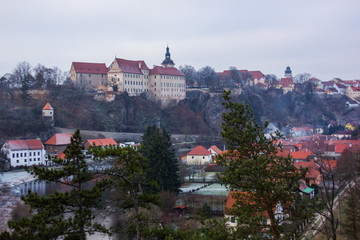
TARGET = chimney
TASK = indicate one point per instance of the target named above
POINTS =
(140, 65)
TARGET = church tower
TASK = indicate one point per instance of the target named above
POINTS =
(167, 61)
(288, 72)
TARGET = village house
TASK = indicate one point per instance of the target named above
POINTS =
(231, 220)
(103, 142)
(214, 151)
(199, 156)
(57, 143)
(24, 152)
(89, 75)
(353, 93)
(301, 155)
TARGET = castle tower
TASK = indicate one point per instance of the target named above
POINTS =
(167, 61)
(288, 72)
(48, 111)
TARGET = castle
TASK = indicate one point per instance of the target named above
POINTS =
(164, 83)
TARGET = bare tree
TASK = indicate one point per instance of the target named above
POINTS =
(21, 74)
(302, 77)
(326, 203)
(190, 74)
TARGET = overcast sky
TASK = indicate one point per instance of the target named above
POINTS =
(320, 37)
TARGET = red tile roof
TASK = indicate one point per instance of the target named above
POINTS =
(216, 149)
(25, 144)
(199, 150)
(166, 71)
(47, 107)
(301, 154)
(286, 81)
(101, 142)
(232, 197)
(59, 139)
(312, 169)
(61, 156)
(257, 74)
(130, 66)
(355, 89)
(93, 68)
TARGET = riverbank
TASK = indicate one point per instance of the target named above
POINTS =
(16, 177)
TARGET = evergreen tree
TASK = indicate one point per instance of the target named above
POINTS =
(351, 222)
(128, 175)
(65, 215)
(163, 165)
(259, 178)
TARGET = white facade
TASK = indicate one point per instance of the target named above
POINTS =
(24, 156)
(198, 159)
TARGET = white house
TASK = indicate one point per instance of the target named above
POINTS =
(199, 156)
(24, 152)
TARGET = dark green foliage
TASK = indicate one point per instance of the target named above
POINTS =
(67, 215)
(127, 175)
(163, 165)
(351, 223)
(260, 178)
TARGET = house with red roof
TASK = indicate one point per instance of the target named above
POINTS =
(353, 93)
(89, 75)
(199, 156)
(214, 150)
(231, 200)
(301, 155)
(57, 143)
(313, 174)
(24, 152)
(100, 142)
(48, 111)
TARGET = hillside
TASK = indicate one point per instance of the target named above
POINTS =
(200, 113)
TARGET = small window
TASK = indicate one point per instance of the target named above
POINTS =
(17, 161)
(232, 219)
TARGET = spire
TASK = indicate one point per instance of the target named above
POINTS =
(288, 72)
(167, 61)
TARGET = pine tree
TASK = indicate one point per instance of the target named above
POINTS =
(127, 175)
(66, 215)
(163, 165)
(259, 178)
(351, 222)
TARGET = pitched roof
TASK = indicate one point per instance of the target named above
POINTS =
(301, 154)
(101, 142)
(166, 71)
(256, 74)
(130, 66)
(25, 144)
(355, 89)
(199, 150)
(94, 68)
(216, 149)
(47, 107)
(312, 169)
(339, 148)
(286, 81)
(59, 139)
